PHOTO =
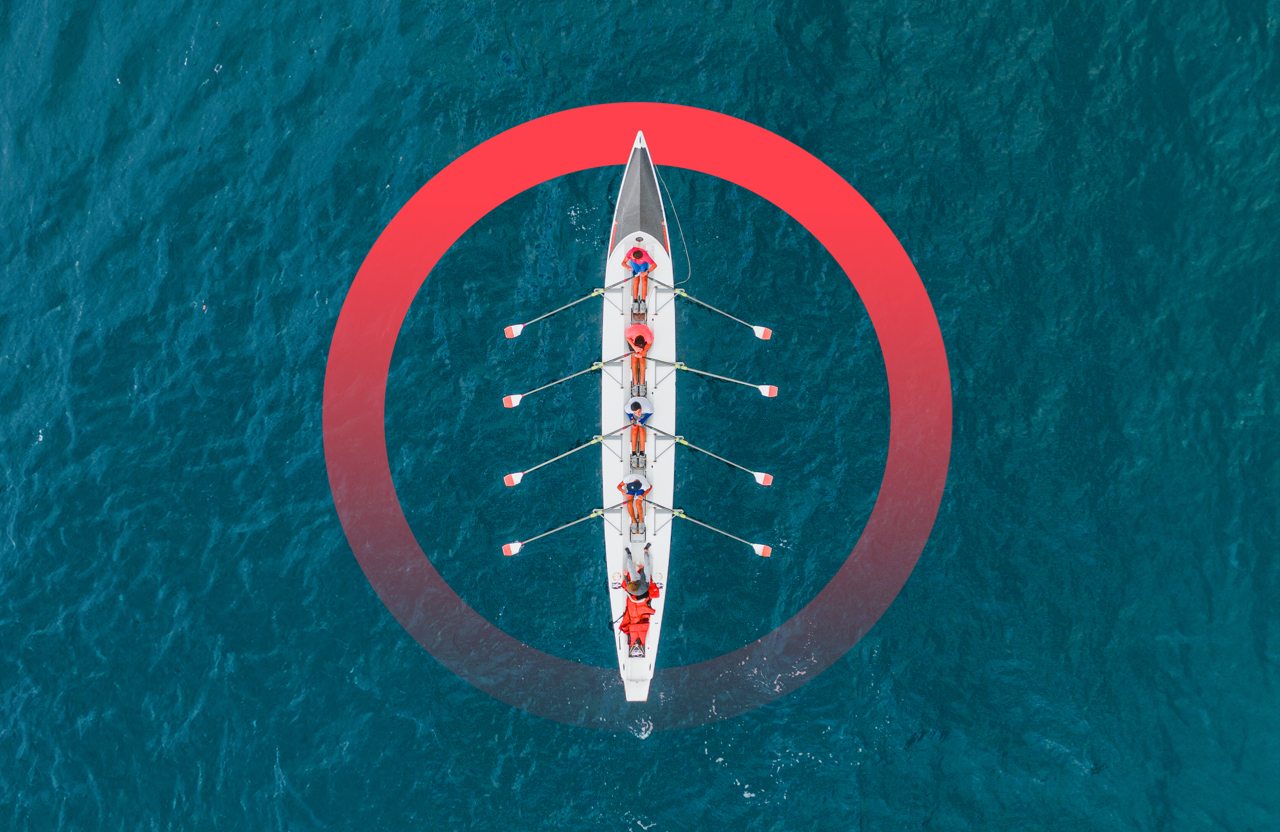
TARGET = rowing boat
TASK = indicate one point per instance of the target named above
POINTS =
(639, 230)
(639, 222)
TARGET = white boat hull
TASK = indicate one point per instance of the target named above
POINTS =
(615, 391)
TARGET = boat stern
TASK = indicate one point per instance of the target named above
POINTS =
(637, 689)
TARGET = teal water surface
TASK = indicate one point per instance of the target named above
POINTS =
(1088, 190)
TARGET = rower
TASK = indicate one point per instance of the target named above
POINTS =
(635, 487)
(638, 411)
(641, 591)
(640, 339)
(641, 265)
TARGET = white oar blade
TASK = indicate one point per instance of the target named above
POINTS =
(516, 329)
(761, 549)
(766, 390)
(511, 401)
(762, 478)
(514, 479)
(510, 549)
(762, 332)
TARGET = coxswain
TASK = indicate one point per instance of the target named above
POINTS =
(639, 338)
(641, 265)
(635, 487)
(638, 411)
(641, 591)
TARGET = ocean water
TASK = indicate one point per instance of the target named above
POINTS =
(1090, 640)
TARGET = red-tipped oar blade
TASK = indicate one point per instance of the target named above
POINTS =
(761, 549)
(761, 477)
(510, 549)
(766, 390)
(762, 332)
(515, 329)
(511, 401)
(514, 479)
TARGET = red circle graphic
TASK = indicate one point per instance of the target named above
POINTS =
(699, 140)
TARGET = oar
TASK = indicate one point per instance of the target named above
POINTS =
(512, 401)
(762, 332)
(760, 549)
(514, 479)
(510, 549)
(762, 478)
(767, 390)
(514, 330)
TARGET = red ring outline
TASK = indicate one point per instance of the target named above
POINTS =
(597, 136)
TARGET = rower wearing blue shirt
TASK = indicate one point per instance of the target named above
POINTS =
(638, 411)
(635, 487)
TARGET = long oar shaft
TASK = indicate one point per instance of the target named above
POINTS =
(767, 390)
(512, 401)
(515, 330)
(595, 440)
(514, 479)
(512, 548)
(760, 549)
(763, 479)
(763, 333)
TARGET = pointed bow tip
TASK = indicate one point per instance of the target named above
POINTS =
(511, 401)
(639, 142)
(514, 330)
(762, 332)
(762, 550)
(514, 479)
(761, 477)
(510, 549)
(766, 390)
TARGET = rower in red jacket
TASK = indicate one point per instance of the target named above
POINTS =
(639, 338)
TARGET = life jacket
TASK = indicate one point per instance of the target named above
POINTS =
(635, 618)
(639, 329)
